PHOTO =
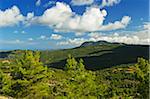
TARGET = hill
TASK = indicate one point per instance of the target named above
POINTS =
(101, 42)
(97, 55)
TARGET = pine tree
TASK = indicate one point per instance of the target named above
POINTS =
(5, 84)
(80, 65)
(80, 83)
(27, 69)
(142, 73)
(71, 63)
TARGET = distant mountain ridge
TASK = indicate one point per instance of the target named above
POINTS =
(101, 42)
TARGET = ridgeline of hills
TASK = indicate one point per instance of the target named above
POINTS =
(96, 55)
(92, 43)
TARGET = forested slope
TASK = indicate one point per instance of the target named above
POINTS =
(98, 56)
(26, 77)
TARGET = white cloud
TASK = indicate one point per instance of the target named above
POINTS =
(62, 18)
(109, 2)
(49, 3)
(17, 41)
(94, 36)
(30, 19)
(90, 2)
(38, 2)
(42, 37)
(30, 39)
(23, 32)
(147, 26)
(140, 37)
(10, 17)
(15, 32)
(13, 16)
(91, 20)
(56, 37)
(79, 34)
(117, 25)
(82, 2)
(56, 15)
(53, 36)
(127, 37)
(5, 42)
(73, 42)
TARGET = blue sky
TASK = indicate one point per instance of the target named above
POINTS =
(55, 24)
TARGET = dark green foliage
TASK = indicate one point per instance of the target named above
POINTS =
(80, 83)
(25, 76)
(5, 83)
(27, 66)
(25, 70)
(142, 74)
(97, 57)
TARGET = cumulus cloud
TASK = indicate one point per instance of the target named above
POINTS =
(82, 2)
(56, 37)
(94, 36)
(134, 37)
(38, 2)
(10, 17)
(139, 37)
(90, 2)
(109, 2)
(30, 19)
(91, 20)
(56, 15)
(62, 18)
(74, 42)
(116, 25)
(146, 26)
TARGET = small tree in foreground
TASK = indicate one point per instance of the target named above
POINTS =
(142, 74)
(26, 69)
(80, 82)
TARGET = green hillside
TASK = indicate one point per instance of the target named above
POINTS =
(98, 56)
(25, 77)
(95, 56)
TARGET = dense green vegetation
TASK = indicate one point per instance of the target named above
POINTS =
(25, 76)
(98, 56)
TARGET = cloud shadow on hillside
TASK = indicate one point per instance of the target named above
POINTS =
(122, 55)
